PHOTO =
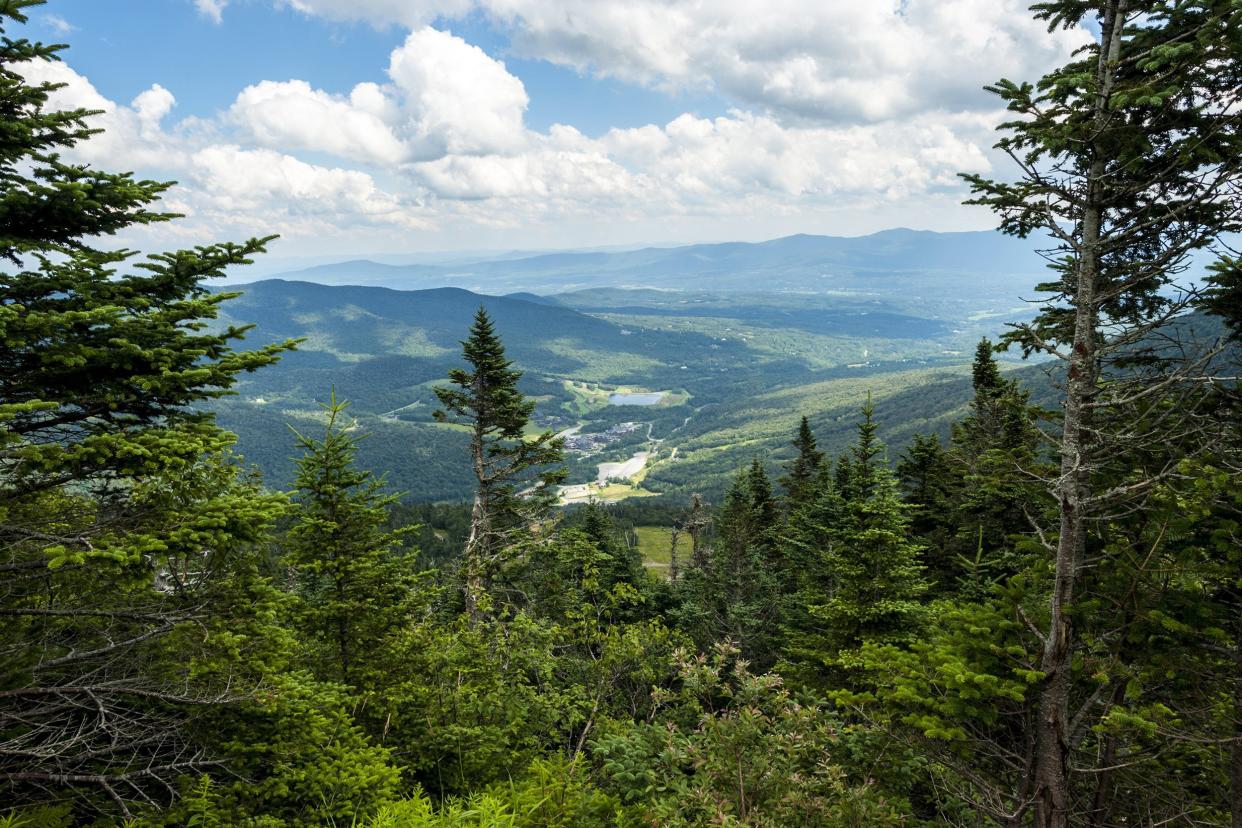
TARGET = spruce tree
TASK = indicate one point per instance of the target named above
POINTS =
(353, 576)
(804, 470)
(764, 513)
(620, 564)
(810, 543)
(734, 597)
(121, 513)
(843, 475)
(865, 457)
(995, 451)
(972, 503)
(1130, 158)
(931, 487)
(985, 374)
(515, 476)
(874, 569)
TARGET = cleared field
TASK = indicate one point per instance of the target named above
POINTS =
(655, 546)
(610, 493)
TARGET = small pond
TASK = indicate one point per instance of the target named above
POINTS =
(636, 399)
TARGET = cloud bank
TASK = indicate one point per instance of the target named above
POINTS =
(864, 112)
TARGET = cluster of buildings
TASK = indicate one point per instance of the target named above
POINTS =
(591, 443)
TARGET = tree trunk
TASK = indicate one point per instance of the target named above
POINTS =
(473, 585)
(673, 570)
(1052, 751)
(1235, 748)
(1052, 740)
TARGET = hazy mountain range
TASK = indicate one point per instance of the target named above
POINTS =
(934, 261)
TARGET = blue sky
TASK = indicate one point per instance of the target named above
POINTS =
(395, 126)
(119, 52)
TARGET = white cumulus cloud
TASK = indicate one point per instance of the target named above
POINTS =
(232, 179)
(802, 59)
(131, 137)
(445, 97)
(212, 9)
(227, 189)
(291, 115)
(456, 99)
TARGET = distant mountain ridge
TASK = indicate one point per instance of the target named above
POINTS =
(938, 261)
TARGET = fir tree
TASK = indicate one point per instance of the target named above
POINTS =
(985, 375)
(122, 518)
(843, 475)
(804, 470)
(810, 545)
(734, 595)
(1000, 417)
(874, 569)
(1130, 158)
(620, 564)
(354, 578)
(995, 456)
(515, 476)
(764, 513)
(931, 488)
(864, 457)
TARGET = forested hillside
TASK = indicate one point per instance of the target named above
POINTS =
(738, 370)
(809, 584)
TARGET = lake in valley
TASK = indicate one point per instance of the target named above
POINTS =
(645, 398)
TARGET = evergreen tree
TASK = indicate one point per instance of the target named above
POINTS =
(560, 578)
(515, 476)
(804, 470)
(355, 580)
(972, 504)
(733, 597)
(765, 516)
(873, 568)
(1130, 158)
(843, 475)
(122, 517)
(621, 564)
(865, 458)
(810, 545)
(929, 485)
(1000, 417)
(996, 462)
(985, 375)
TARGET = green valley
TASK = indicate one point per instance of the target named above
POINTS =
(694, 383)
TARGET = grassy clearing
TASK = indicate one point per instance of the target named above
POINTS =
(611, 493)
(655, 546)
(620, 491)
(672, 398)
(585, 397)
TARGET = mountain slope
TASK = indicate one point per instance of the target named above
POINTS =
(385, 350)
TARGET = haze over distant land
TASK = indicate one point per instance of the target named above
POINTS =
(955, 262)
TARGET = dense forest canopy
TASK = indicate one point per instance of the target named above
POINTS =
(1031, 618)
